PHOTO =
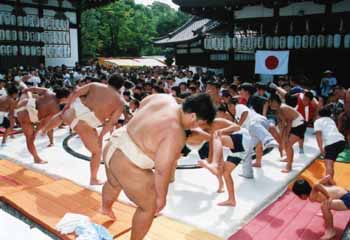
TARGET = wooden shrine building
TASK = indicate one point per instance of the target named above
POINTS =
(41, 31)
(226, 33)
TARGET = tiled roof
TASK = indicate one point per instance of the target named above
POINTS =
(189, 31)
(242, 3)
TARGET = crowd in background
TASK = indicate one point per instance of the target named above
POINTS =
(182, 82)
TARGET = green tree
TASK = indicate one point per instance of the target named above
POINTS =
(124, 28)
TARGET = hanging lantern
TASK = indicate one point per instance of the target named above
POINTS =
(297, 42)
(244, 43)
(330, 40)
(228, 43)
(255, 42)
(321, 41)
(268, 42)
(283, 42)
(313, 41)
(337, 41)
(305, 41)
(261, 42)
(347, 41)
(234, 42)
(276, 42)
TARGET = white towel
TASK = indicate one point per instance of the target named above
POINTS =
(71, 221)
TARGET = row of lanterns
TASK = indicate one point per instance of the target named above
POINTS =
(49, 23)
(51, 37)
(50, 51)
(225, 43)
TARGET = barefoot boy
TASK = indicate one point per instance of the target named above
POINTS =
(292, 127)
(240, 144)
(330, 141)
(331, 198)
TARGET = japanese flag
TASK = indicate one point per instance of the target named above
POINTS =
(271, 62)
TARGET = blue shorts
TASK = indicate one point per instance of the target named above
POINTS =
(346, 200)
(5, 123)
(237, 140)
(234, 160)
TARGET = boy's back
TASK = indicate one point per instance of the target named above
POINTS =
(334, 192)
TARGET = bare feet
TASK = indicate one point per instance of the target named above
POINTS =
(329, 234)
(108, 212)
(286, 170)
(39, 161)
(229, 203)
(214, 169)
(96, 182)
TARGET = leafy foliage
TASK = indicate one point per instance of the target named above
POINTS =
(124, 28)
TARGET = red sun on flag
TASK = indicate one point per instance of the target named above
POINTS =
(271, 62)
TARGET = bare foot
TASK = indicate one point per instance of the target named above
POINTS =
(213, 168)
(286, 170)
(283, 159)
(108, 212)
(257, 165)
(221, 188)
(41, 133)
(96, 182)
(329, 234)
(39, 161)
(230, 203)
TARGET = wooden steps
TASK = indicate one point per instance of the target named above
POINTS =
(14, 178)
(164, 228)
(45, 201)
(48, 203)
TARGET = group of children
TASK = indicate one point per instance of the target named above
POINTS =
(248, 130)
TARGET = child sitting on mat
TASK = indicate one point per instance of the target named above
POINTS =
(330, 196)
(330, 141)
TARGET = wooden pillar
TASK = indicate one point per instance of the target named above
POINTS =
(276, 12)
(328, 9)
(80, 56)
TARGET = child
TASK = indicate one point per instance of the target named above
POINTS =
(240, 144)
(292, 126)
(330, 141)
(330, 197)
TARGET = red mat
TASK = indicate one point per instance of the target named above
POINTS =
(14, 131)
(290, 218)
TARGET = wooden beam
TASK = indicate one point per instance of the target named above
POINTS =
(276, 12)
(328, 11)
